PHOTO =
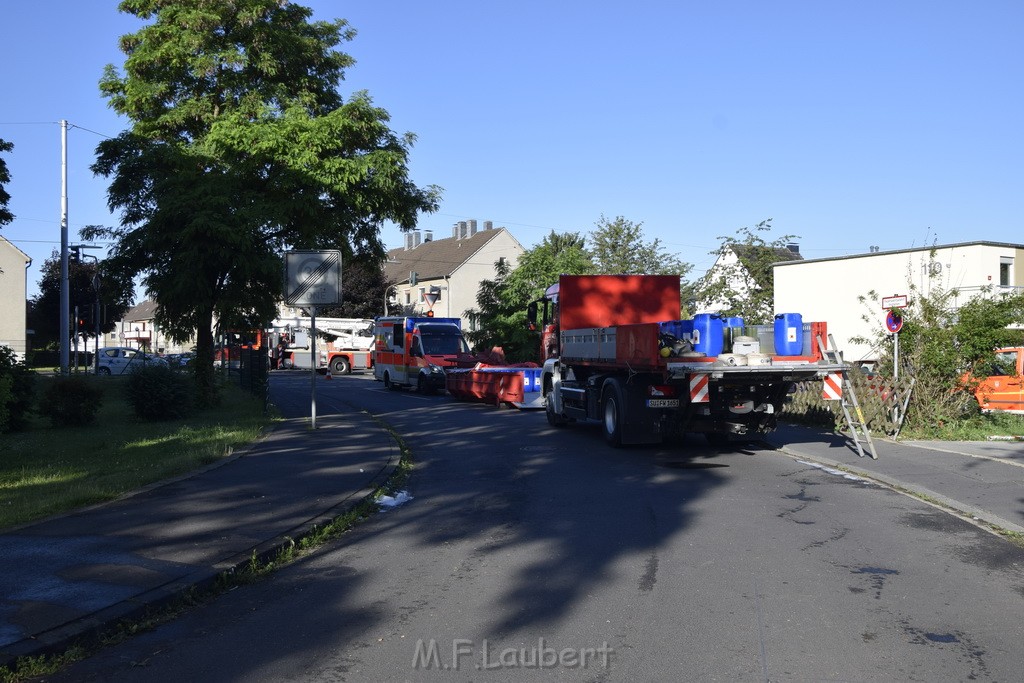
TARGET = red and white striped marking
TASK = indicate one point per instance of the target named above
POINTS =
(699, 388)
(833, 387)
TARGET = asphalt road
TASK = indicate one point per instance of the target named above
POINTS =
(528, 553)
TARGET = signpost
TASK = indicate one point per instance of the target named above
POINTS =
(311, 279)
(894, 323)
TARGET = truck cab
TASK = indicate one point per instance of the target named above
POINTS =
(1003, 389)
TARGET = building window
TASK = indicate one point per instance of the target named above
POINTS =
(408, 297)
(1005, 271)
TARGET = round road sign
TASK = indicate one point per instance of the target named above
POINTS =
(893, 322)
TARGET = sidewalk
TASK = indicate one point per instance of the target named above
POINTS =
(68, 577)
(982, 479)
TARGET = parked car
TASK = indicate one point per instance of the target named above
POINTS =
(116, 360)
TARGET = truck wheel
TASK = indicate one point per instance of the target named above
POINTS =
(613, 410)
(388, 384)
(424, 385)
(341, 366)
(554, 419)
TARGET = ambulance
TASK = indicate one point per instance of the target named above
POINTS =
(413, 352)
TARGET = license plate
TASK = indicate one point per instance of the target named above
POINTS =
(663, 403)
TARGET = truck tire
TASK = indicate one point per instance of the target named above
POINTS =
(388, 384)
(613, 410)
(554, 419)
(424, 385)
(341, 366)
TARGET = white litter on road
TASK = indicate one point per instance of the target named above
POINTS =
(399, 498)
(832, 470)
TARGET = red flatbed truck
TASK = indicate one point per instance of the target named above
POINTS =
(605, 360)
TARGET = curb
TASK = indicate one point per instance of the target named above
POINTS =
(968, 513)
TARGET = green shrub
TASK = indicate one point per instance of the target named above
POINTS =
(156, 392)
(16, 387)
(71, 401)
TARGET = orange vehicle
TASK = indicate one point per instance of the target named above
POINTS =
(415, 352)
(1003, 390)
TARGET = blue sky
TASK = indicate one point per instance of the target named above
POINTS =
(849, 124)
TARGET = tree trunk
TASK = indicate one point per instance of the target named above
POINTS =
(206, 387)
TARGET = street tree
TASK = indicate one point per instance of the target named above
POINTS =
(241, 147)
(619, 247)
(363, 289)
(742, 281)
(500, 316)
(5, 177)
(115, 295)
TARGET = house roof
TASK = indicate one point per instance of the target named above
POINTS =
(28, 259)
(1008, 245)
(141, 311)
(437, 258)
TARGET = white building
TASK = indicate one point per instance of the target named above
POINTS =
(828, 289)
(14, 265)
(454, 265)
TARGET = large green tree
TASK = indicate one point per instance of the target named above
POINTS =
(619, 247)
(240, 148)
(5, 177)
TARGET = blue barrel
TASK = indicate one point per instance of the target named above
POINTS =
(789, 334)
(708, 333)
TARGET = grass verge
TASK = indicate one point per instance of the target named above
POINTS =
(47, 470)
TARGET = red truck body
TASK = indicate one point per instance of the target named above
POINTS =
(609, 357)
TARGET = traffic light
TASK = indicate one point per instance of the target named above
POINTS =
(414, 277)
(430, 314)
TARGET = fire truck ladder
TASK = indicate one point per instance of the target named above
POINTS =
(859, 432)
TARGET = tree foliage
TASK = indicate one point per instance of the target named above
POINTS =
(942, 344)
(240, 148)
(116, 295)
(500, 316)
(5, 177)
(618, 247)
(742, 281)
(363, 289)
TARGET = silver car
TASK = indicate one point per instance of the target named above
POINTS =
(117, 360)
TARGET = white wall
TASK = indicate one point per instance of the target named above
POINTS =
(13, 290)
(828, 289)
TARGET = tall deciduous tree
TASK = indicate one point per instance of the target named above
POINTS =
(742, 281)
(242, 147)
(618, 247)
(5, 177)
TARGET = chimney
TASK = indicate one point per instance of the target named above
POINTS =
(408, 241)
(455, 230)
(793, 247)
(462, 229)
(428, 236)
(488, 225)
(415, 238)
(472, 227)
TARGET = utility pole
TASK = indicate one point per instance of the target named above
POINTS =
(65, 295)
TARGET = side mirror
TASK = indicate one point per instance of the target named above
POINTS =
(531, 316)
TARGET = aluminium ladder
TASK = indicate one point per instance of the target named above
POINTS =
(859, 432)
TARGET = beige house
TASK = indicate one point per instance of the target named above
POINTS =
(14, 265)
(138, 329)
(452, 268)
(828, 289)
